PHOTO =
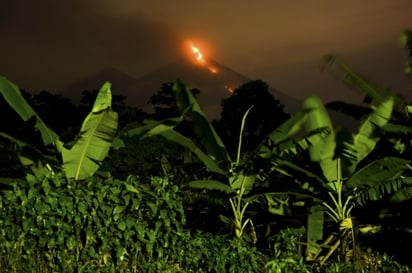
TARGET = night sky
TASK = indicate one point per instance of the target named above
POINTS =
(48, 44)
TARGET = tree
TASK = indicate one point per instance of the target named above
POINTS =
(267, 114)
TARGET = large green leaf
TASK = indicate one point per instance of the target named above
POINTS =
(14, 98)
(318, 117)
(403, 194)
(328, 161)
(367, 137)
(378, 172)
(202, 128)
(397, 128)
(293, 145)
(395, 190)
(323, 151)
(290, 138)
(93, 143)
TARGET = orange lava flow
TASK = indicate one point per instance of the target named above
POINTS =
(200, 58)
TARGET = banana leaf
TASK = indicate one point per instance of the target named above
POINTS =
(202, 128)
(378, 172)
(367, 137)
(395, 190)
(93, 143)
(397, 128)
(289, 137)
(293, 145)
(14, 98)
(317, 117)
(403, 194)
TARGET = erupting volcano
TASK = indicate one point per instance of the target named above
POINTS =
(194, 67)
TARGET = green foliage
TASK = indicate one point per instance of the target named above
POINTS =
(95, 139)
(211, 150)
(287, 256)
(144, 158)
(205, 252)
(389, 120)
(91, 226)
(202, 128)
(85, 154)
(107, 225)
(338, 154)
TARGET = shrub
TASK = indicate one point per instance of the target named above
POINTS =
(97, 224)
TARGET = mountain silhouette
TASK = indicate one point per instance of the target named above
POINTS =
(213, 86)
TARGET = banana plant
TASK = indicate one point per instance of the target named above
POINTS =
(238, 179)
(210, 150)
(397, 131)
(79, 159)
(340, 182)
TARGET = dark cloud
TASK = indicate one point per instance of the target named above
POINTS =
(49, 43)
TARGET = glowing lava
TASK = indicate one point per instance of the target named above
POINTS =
(198, 54)
(200, 59)
(229, 89)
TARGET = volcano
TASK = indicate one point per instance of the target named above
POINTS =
(213, 85)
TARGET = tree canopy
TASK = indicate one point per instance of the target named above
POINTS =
(267, 113)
